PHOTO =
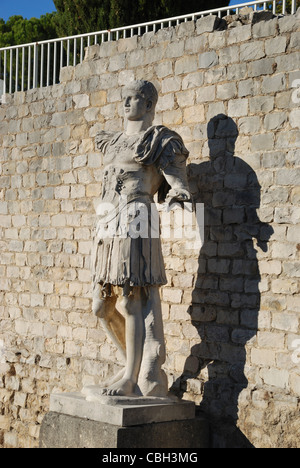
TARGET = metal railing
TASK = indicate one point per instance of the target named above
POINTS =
(29, 66)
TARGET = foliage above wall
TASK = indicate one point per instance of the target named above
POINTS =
(82, 16)
(18, 30)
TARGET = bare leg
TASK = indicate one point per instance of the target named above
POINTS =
(132, 308)
(112, 321)
(114, 325)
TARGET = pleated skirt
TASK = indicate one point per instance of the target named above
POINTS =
(133, 261)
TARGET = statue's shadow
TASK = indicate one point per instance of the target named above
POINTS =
(226, 298)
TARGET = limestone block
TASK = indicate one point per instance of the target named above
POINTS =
(261, 67)
(173, 117)
(166, 102)
(193, 80)
(295, 118)
(206, 94)
(5, 423)
(207, 24)
(229, 55)
(117, 62)
(73, 87)
(238, 107)
(275, 377)
(276, 45)
(175, 49)
(237, 35)
(185, 29)
(289, 23)
(226, 91)
(208, 60)
(265, 29)
(194, 114)
(261, 357)
(196, 44)
(263, 104)
(275, 121)
(252, 51)
(186, 65)
(288, 177)
(171, 84)
(287, 62)
(127, 44)
(66, 74)
(258, 16)
(172, 295)
(292, 269)
(262, 142)
(81, 101)
(249, 125)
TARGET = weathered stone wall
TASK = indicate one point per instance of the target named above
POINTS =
(231, 311)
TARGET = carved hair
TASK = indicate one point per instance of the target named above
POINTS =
(145, 88)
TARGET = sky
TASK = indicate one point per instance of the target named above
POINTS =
(25, 8)
(36, 8)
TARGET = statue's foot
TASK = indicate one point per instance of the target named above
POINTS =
(93, 392)
(124, 387)
(114, 379)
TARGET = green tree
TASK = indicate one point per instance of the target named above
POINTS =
(18, 30)
(83, 16)
(288, 6)
(123, 14)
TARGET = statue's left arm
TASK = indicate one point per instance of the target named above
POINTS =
(174, 171)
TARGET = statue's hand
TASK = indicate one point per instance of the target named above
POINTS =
(176, 199)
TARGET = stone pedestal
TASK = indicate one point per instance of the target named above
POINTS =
(74, 422)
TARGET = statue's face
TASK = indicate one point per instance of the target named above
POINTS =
(135, 105)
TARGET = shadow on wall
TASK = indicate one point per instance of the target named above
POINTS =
(226, 298)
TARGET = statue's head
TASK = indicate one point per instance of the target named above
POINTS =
(140, 98)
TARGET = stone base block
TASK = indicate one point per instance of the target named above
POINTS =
(122, 411)
(64, 431)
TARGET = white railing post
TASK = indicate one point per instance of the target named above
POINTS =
(23, 69)
(10, 70)
(17, 70)
(61, 54)
(283, 7)
(29, 68)
(81, 50)
(4, 72)
(68, 52)
(75, 53)
(42, 66)
(48, 63)
(35, 65)
(294, 5)
(54, 62)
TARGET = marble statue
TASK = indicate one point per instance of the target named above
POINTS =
(127, 262)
